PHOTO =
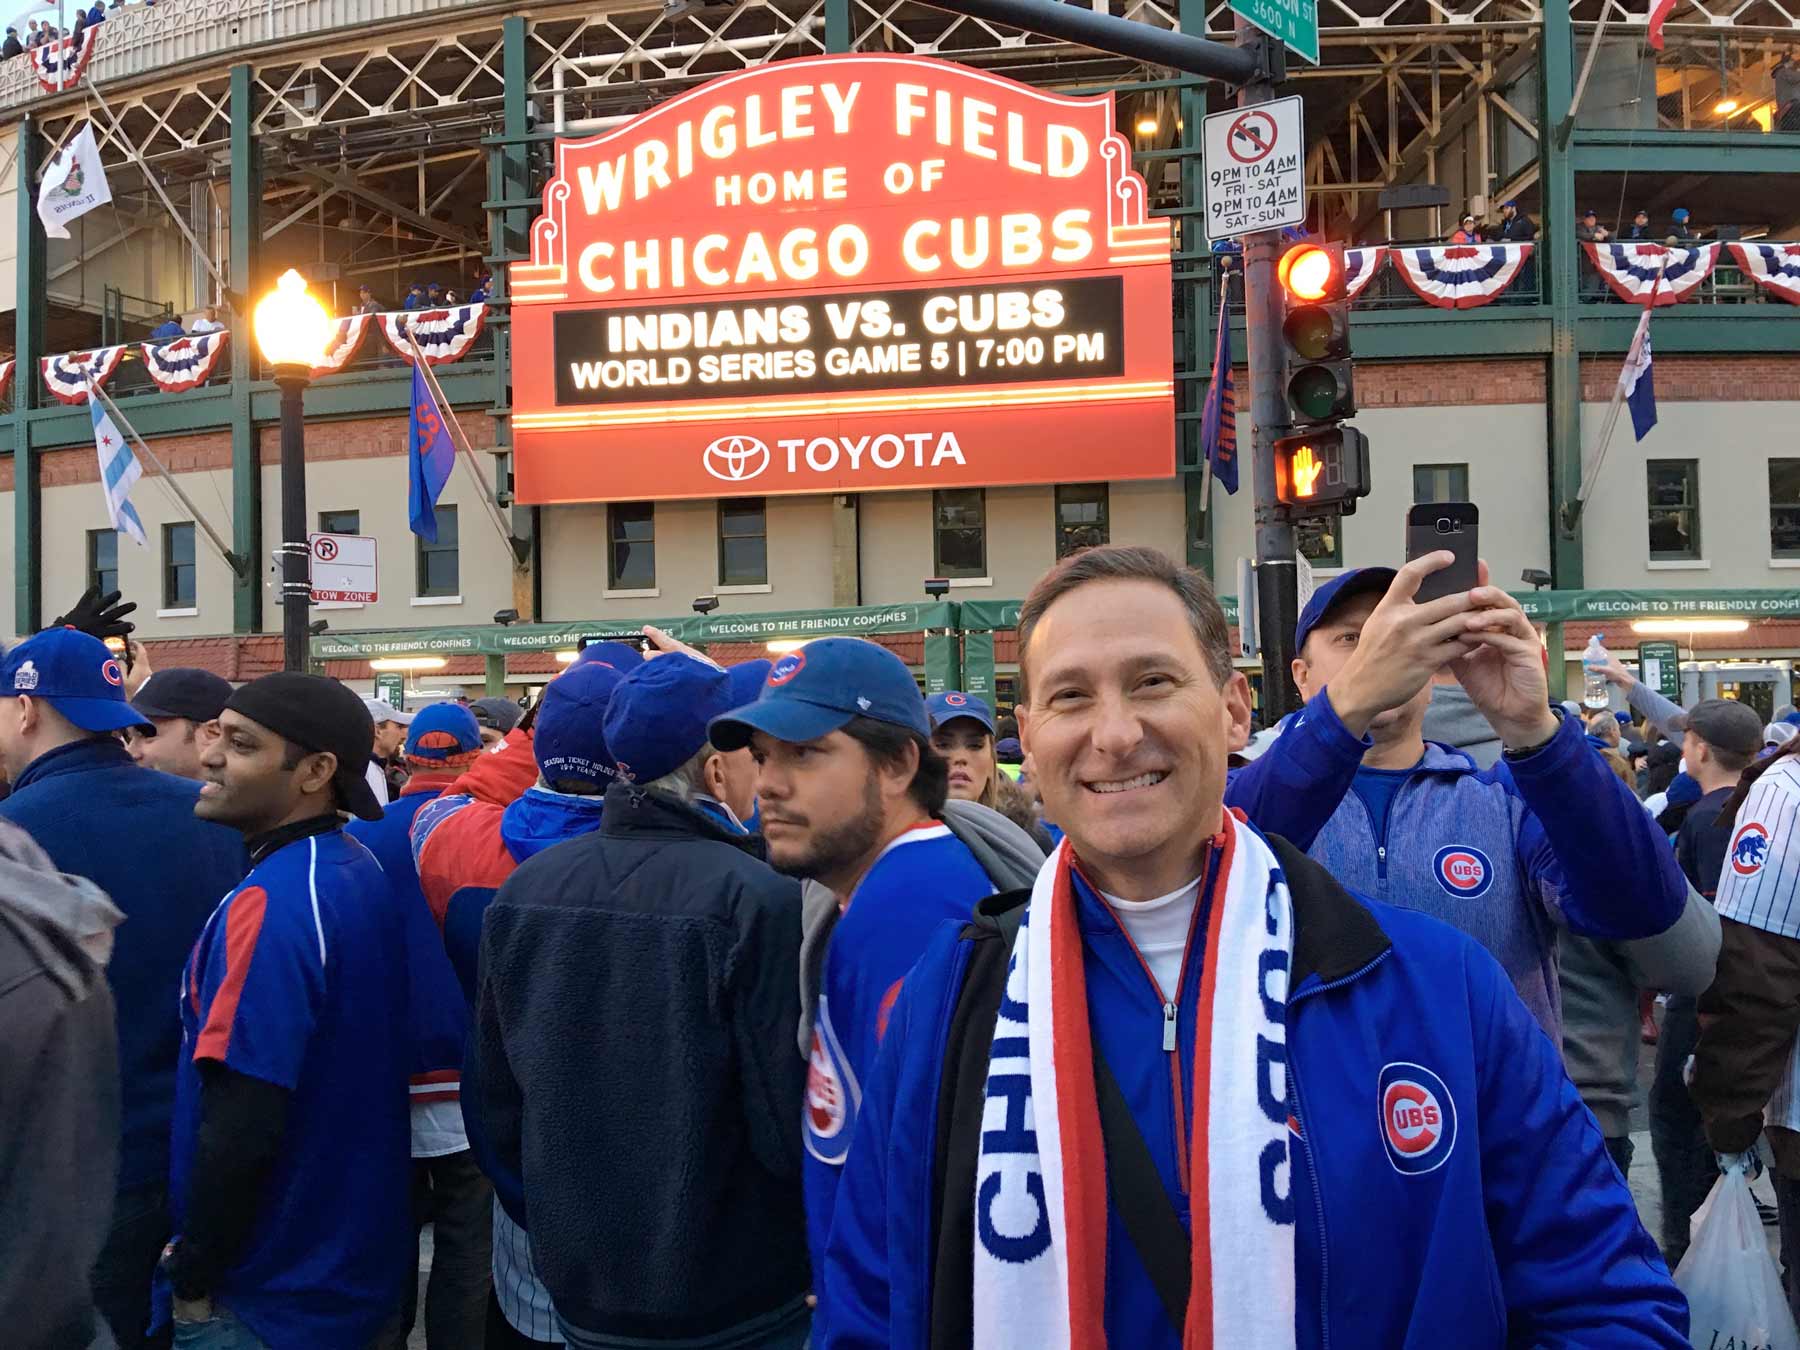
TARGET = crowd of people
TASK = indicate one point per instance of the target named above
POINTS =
(40, 32)
(782, 1005)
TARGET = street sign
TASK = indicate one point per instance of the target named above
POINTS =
(1255, 169)
(1295, 23)
(1659, 668)
(343, 568)
(392, 689)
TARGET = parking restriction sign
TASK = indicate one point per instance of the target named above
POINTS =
(1255, 166)
(343, 568)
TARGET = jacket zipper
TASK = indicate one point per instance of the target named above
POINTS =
(1311, 1161)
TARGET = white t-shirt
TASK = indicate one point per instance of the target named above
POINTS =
(377, 782)
(1159, 930)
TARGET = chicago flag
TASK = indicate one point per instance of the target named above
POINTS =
(119, 469)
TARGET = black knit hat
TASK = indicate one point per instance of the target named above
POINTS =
(317, 714)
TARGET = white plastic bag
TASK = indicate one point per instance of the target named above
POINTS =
(1733, 1288)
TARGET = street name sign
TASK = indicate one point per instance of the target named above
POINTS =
(1295, 23)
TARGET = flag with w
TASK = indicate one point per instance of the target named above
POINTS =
(1218, 417)
(430, 457)
(119, 470)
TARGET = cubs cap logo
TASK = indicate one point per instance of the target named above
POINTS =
(1749, 848)
(1418, 1118)
(787, 667)
(955, 700)
(1463, 871)
(110, 672)
(832, 1094)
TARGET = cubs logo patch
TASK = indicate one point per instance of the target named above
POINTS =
(1463, 871)
(110, 672)
(833, 1096)
(955, 700)
(1749, 849)
(787, 667)
(1418, 1118)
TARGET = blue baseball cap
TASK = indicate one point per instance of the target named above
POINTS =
(615, 654)
(1356, 581)
(813, 691)
(569, 737)
(657, 719)
(75, 674)
(747, 679)
(1680, 213)
(953, 703)
(443, 733)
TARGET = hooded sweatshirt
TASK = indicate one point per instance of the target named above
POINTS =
(59, 1095)
(1452, 719)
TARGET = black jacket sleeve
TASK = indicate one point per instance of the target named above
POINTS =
(765, 1005)
(242, 1121)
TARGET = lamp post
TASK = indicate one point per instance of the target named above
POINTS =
(292, 329)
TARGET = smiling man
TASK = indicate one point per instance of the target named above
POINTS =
(851, 794)
(291, 1155)
(1155, 1100)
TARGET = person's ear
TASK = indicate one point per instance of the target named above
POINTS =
(897, 777)
(712, 773)
(316, 771)
(1236, 695)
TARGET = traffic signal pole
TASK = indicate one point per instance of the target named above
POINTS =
(1277, 575)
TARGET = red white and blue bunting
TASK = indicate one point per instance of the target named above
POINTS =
(6, 374)
(346, 340)
(442, 334)
(183, 363)
(59, 65)
(1360, 267)
(67, 376)
(1653, 274)
(1774, 267)
(1459, 276)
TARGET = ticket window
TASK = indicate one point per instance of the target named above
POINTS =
(1756, 693)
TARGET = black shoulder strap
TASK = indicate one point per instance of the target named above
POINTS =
(1156, 1230)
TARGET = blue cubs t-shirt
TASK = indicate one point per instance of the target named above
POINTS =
(299, 979)
(921, 879)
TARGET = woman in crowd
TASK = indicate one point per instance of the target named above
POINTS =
(962, 731)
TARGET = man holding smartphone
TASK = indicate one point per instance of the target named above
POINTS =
(1547, 838)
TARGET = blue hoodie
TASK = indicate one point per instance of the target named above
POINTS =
(1505, 854)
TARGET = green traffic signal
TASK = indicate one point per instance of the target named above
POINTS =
(1315, 393)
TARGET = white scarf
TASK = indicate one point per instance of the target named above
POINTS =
(1040, 1182)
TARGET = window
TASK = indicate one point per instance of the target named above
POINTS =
(743, 542)
(340, 522)
(103, 560)
(1784, 508)
(178, 566)
(439, 564)
(1673, 492)
(631, 561)
(1440, 482)
(1321, 541)
(1081, 517)
(959, 533)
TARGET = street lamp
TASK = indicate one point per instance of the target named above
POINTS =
(292, 328)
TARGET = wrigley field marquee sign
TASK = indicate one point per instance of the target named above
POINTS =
(843, 273)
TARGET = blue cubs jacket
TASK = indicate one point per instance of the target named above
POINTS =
(1506, 854)
(1504, 1224)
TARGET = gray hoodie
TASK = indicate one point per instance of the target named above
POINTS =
(59, 1096)
(1455, 721)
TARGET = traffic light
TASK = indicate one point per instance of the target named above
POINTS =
(1322, 472)
(1315, 335)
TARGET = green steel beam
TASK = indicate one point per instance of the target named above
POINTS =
(494, 677)
(1563, 376)
(246, 462)
(1714, 329)
(1672, 152)
(1421, 334)
(1202, 313)
(840, 33)
(28, 346)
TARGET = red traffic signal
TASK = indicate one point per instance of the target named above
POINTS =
(1310, 272)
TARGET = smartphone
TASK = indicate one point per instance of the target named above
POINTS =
(636, 641)
(1432, 527)
(120, 648)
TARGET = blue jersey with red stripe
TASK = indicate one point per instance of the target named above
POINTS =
(922, 878)
(298, 979)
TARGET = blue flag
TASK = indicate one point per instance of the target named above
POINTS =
(430, 457)
(1218, 417)
(1638, 382)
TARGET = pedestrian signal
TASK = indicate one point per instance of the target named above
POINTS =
(1322, 472)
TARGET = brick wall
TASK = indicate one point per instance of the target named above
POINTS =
(1702, 379)
(182, 454)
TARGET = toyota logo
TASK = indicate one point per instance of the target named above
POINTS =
(736, 458)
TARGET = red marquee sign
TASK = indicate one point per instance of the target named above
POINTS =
(843, 273)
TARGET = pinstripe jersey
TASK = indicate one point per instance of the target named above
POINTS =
(523, 1300)
(1759, 884)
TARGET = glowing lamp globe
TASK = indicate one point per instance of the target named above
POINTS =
(292, 327)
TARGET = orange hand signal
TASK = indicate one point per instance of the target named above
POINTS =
(1306, 470)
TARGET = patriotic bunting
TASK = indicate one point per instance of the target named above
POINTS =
(184, 363)
(1639, 273)
(59, 65)
(1360, 267)
(1774, 267)
(6, 374)
(346, 340)
(442, 334)
(67, 376)
(1460, 276)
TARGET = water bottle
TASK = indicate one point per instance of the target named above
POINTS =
(1593, 666)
